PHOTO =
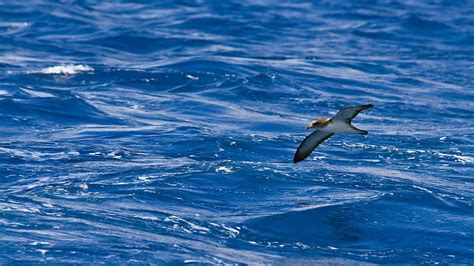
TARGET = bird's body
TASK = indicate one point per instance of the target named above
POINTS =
(326, 127)
(339, 127)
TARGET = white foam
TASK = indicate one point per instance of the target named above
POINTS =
(224, 170)
(143, 178)
(40, 243)
(464, 159)
(66, 69)
(147, 217)
(191, 261)
(192, 77)
(42, 251)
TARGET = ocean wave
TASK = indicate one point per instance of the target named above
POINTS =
(158, 133)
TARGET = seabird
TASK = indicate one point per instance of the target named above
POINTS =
(326, 127)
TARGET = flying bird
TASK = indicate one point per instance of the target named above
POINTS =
(326, 127)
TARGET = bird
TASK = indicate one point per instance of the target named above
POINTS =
(326, 127)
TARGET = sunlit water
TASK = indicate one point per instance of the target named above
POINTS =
(133, 132)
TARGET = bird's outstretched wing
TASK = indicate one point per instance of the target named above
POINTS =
(347, 114)
(309, 144)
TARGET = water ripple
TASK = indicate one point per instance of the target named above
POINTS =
(162, 133)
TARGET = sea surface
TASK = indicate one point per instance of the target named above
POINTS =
(163, 132)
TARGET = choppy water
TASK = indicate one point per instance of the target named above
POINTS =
(137, 132)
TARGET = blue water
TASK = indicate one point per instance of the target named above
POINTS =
(137, 132)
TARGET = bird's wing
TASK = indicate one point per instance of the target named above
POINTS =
(309, 144)
(347, 114)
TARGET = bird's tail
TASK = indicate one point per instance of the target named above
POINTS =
(358, 131)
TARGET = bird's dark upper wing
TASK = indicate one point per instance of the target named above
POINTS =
(309, 144)
(347, 114)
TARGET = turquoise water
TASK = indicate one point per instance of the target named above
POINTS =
(140, 132)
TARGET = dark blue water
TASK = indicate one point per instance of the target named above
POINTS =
(138, 132)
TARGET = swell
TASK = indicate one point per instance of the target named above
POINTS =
(163, 133)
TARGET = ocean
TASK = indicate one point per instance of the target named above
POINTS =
(163, 132)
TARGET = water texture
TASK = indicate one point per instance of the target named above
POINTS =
(163, 132)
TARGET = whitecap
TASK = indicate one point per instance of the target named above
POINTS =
(84, 186)
(143, 178)
(224, 170)
(192, 77)
(35, 243)
(192, 261)
(42, 251)
(463, 159)
(66, 69)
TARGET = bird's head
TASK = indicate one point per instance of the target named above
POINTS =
(320, 123)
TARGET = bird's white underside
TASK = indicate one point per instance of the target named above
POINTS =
(339, 127)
